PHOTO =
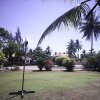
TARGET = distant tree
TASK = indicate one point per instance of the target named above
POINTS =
(4, 35)
(91, 28)
(14, 46)
(18, 38)
(20, 46)
(71, 49)
(38, 52)
(9, 50)
(30, 53)
(84, 52)
(48, 51)
(78, 47)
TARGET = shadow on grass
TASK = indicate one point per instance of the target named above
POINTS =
(12, 97)
(68, 71)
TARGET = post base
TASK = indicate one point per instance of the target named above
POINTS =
(22, 92)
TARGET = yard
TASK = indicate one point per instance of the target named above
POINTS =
(54, 85)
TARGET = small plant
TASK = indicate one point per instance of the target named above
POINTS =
(68, 63)
(48, 65)
(40, 63)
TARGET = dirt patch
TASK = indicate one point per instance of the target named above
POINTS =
(92, 92)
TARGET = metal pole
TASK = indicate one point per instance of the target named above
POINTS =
(25, 46)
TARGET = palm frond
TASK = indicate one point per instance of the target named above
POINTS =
(72, 17)
(91, 27)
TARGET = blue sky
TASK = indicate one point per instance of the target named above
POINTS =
(34, 16)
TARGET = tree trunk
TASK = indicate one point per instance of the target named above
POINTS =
(91, 44)
(78, 55)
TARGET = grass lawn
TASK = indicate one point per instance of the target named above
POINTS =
(45, 83)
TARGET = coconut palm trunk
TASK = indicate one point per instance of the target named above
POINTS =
(91, 44)
(78, 55)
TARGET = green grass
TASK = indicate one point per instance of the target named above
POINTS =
(44, 81)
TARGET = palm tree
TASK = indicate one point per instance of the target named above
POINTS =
(78, 47)
(72, 17)
(91, 29)
(84, 52)
(48, 51)
(71, 48)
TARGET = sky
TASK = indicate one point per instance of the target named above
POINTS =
(34, 16)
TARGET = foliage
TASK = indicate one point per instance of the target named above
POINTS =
(91, 28)
(38, 52)
(78, 47)
(13, 45)
(40, 63)
(4, 36)
(90, 62)
(59, 60)
(85, 63)
(68, 63)
(73, 17)
(2, 58)
(73, 48)
(48, 51)
(48, 65)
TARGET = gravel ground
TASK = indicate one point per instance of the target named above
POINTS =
(55, 68)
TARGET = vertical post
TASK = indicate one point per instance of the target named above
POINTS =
(25, 47)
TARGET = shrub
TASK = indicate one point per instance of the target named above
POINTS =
(85, 63)
(2, 57)
(40, 63)
(91, 62)
(68, 63)
(59, 60)
(48, 65)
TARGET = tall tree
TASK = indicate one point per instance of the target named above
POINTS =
(18, 38)
(72, 17)
(91, 28)
(71, 48)
(4, 36)
(30, 53)
(78, 47)
(48, 51)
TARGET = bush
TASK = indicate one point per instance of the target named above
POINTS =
(40, 63)
(85, 63)
(91, 62)
(68, 63)
(48, 65)
(59, 60)
(2, 58)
